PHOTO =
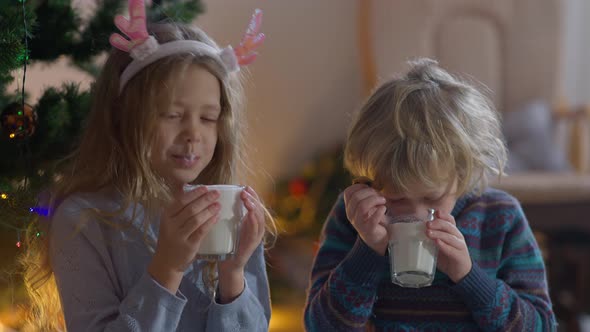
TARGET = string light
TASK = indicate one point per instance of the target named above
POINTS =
(40, 211)
(24, 57)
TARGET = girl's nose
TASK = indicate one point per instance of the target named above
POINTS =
(191, 132)
(192, 137)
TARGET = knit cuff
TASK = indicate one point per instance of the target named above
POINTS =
(477, 288)
(363, 265)
(152, 304)
(244, 313)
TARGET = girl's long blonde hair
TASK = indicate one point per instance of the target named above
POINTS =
(113, 152)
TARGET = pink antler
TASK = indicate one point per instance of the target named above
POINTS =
(135, 28)
(251, 40)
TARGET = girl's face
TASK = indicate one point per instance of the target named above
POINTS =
(419, 199)
(187, 132)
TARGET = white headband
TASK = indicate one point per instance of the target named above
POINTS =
(150, 51)
(145, 49)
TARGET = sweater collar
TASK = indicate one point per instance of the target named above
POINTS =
(461, 203)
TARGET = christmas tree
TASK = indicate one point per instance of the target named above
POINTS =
(35, 135)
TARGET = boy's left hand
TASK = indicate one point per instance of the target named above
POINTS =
(231, 271)
(453, 256)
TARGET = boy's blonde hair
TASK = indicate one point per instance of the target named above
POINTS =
(114, 151)
(427, 127)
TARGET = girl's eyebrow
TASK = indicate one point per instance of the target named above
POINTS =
(211, 107)
(206, 107)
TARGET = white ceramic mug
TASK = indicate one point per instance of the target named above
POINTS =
(222, 240)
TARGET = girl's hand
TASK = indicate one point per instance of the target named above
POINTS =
(183, 225)
(231, 271)
(365, 208)
(453, 258)
(251, 232)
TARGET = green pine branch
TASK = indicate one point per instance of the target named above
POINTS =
(12, 34)
(94, 38)
(12, 52)
(55, 30)
(12, 48)
(61, 113)
(175, 10)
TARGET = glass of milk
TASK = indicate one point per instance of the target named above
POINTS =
(222, 240)
(412, 255)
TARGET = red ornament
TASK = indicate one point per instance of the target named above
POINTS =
(298, 187)
(18, 122)
(18, 244)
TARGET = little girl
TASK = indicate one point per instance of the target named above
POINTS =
(123, 234)
(428, 140)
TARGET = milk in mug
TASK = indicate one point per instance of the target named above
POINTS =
(222, 239)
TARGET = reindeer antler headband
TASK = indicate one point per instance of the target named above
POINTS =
(145, 49)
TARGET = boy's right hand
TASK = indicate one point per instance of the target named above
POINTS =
(365, 208)
(183, 226)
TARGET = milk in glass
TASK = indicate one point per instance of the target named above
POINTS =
(412, 255)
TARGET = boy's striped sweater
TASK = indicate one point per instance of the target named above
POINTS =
(506, 290)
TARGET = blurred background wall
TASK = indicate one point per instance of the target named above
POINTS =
(307, 79)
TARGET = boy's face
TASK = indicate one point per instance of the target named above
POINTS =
(187, 132)
(420, 198)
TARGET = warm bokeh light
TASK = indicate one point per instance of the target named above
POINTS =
(5, 328)
(286, 318)
(12, 316)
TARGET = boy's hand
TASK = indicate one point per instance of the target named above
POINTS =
(453, 258)
(365, 208)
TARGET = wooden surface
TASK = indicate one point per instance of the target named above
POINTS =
(546, 188)
(551, 201)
